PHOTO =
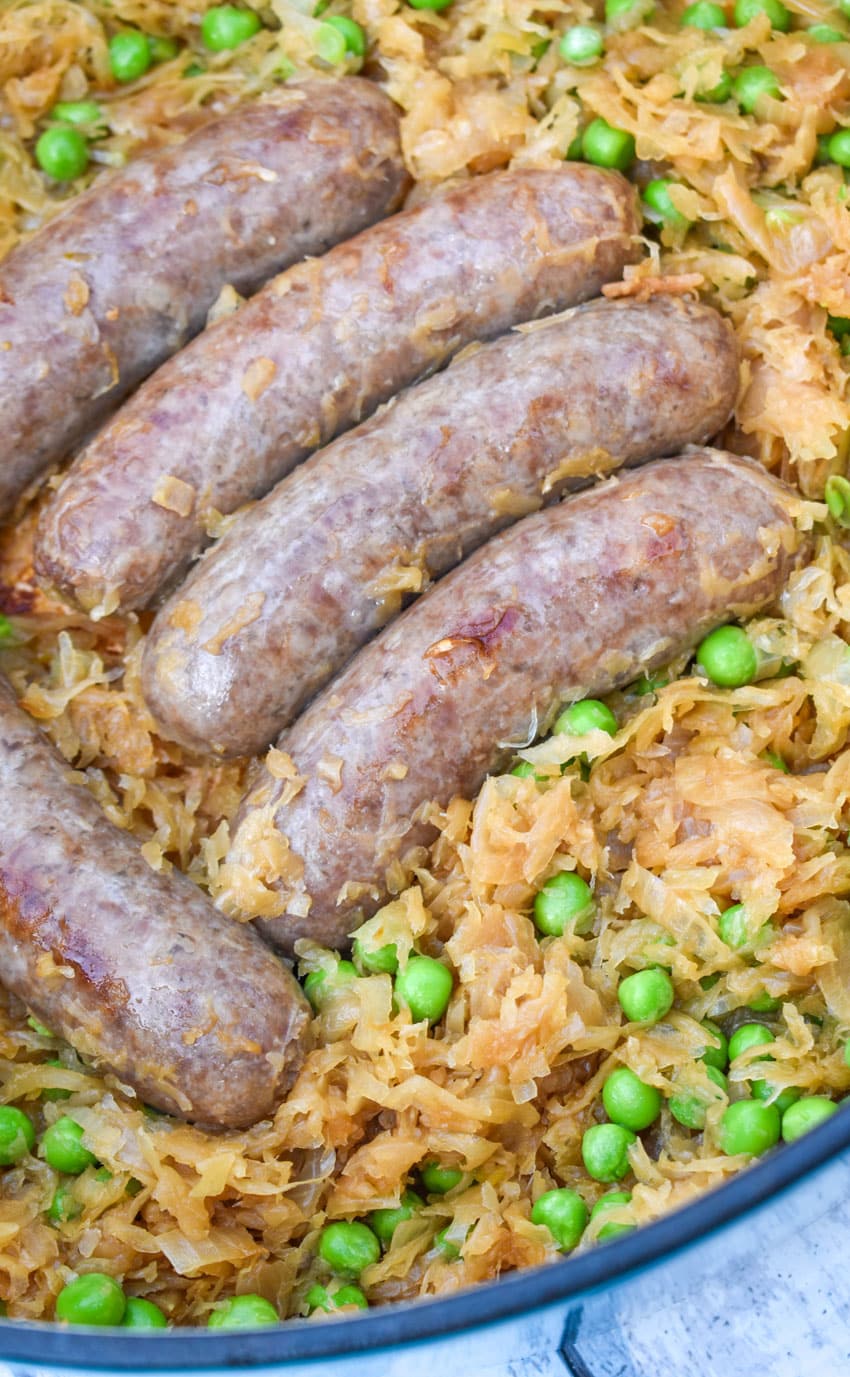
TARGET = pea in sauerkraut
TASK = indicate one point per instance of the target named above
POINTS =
(704, 802)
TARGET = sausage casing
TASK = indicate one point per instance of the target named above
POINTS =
(307, 576)
(127, 272)
(313, 353)
(135, 968)
(572, 601)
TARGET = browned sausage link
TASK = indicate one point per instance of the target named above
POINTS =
(135, 968)
(312, 572)
(572, 601)
(314, 352)
(126, 274)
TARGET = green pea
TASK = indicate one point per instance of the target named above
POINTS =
(613, 1230)
(143, 1314)
(63, 1206)
(621, 9)
(747, 1036)
(838, 147)
(716, 95)
(244, 1312)
(381, 961)
(226, 26)
(523, 769)
(837, 490)
(732, 926)
(656, 198)
(129, 55)
(444, 1245)
(77, 112)
(348, 1247)
(605, 146)
(689, 1108)
(62, 1148)
(429, 4)
(716, 1054)
(708, 982)
(319, 1298)
(605, 1151)
(762, 1090)
(312, 981)
(610, 1202)
(62, 153)
(564, 901)
(162, 50)
(646, 996)
(564, 1214)
(629, 1101)
(385, 1222)
(425, 986)
(747, 10)
(574, 154)
(825, 33)
(704, 15)
(193, 70)
(437, 1179)
(586, 716)
(649, 683)
(318, 985)
(17, 1135)
(355, 38)
(750, 85)
(765, 1004)
(728, 657)
(805, 1115)
(582, 45)
(330, 44)
(844, 7)
(92, 1299)
(822, 150)
(749, 1126)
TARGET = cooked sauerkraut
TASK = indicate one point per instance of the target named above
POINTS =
(704, 799)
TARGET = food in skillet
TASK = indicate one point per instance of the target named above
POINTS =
(319, 347)
(311, 573)
(126, 274)
(707, 836)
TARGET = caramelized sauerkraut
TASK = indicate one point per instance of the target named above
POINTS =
(705, 798)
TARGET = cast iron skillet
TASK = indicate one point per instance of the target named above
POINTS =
(519, 1293)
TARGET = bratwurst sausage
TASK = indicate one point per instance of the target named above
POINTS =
(319, 348)
(127, 273)
(311, 573)
(135, 968)
(574, 600)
